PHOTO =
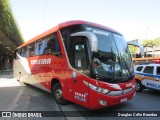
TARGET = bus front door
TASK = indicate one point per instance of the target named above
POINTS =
(80, 63)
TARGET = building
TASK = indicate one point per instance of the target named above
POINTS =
(10, 37)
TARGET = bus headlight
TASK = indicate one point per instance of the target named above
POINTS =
(95, 88)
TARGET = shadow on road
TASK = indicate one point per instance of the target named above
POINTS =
(151, 92)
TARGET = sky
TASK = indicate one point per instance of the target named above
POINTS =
(135, 19)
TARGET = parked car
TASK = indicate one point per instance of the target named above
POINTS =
(147, 76)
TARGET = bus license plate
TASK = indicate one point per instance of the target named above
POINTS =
(123, 99)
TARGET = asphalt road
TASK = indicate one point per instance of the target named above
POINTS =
(16, 97)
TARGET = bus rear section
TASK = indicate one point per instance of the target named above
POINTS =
(39, 62)
(91, 65)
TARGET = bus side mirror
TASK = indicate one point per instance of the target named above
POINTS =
(91, 37)
(138, 45)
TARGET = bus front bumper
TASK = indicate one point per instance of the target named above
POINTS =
(99, 101)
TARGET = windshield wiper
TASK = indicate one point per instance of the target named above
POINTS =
(103, 78)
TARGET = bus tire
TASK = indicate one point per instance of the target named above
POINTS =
(139, 86)
(58, 95)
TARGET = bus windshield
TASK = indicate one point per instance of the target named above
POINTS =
(112, 62)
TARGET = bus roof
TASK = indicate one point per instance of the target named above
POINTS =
(65, 24)
(74, 22)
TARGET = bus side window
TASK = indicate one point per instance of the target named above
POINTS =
(20, 52)
(31, 49)
(39, 47)
(79, 59)
(42, 47)
(52, 46)
(56, 50)
(24, 51)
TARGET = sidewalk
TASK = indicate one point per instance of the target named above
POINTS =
(6, 74)
(7, 80)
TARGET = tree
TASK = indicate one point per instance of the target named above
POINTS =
(8, 24)
(157, 41)
(149, 43)
(152, 44)
(132, 49)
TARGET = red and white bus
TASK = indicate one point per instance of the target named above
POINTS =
(78, 61)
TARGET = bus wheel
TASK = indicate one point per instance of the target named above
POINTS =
(58, 95)
(139, 86)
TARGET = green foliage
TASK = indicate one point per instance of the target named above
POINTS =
(132, 49)
(151, 43)
(157, 41)
(5, 18)
(7, 22)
